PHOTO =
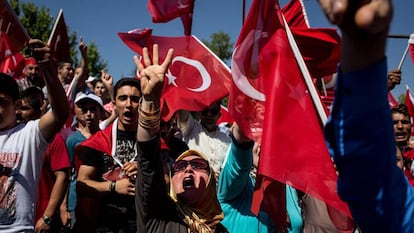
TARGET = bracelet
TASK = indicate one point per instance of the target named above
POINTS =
(112, 186)
(149, 119)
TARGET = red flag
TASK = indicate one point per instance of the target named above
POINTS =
(295, 15)
(163, 11)
(290, 115)
(246, 101)
(195, 78)
(411, 43)
(409, 101)
(11, 25)
(59, 40)
(391, 100)
(225, 117)
(10, 63)
(320, 62)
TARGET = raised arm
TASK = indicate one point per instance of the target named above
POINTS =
(51, 122)
(234, 179)
(84, 69)
(359, 133)
(152, 79)
(108, 83)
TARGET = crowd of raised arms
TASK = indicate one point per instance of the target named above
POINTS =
(105, 161)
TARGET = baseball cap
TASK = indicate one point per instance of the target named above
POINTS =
(83, 97)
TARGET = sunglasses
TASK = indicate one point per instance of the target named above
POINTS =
(196, 164)
(213, 111)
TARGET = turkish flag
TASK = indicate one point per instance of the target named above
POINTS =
(290, 115)
(11, 25)
(196, 77)
(10, 63)
(411, 46)
(391, 100)
(247, 100)
(409, 101)
(163, 11)
(59, 40)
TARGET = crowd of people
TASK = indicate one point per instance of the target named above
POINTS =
(82, 154)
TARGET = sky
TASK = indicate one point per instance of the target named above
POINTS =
(100, 21)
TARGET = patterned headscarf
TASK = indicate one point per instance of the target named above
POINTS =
(204, 217)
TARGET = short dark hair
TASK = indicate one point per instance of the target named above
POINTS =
(9, 86)
(34, 97)
(127, 82)
(403, 109)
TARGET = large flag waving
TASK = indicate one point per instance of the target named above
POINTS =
(11, 25)
(246, 101)
(275, 92)
(163, 11)
(59, 40)
(196, 77)
(11, 63)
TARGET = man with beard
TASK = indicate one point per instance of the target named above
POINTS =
(31, 75)
(107, 168)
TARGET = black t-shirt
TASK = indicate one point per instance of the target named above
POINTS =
(116, 210)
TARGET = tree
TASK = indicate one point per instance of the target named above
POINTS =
(221, 45)
(401, 99)
(38, 23)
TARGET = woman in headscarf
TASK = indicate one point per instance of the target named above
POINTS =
(192, 205)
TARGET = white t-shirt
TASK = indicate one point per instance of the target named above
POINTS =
(213, 145)
(22, 149)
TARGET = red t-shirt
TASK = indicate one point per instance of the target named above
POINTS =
(56, 158)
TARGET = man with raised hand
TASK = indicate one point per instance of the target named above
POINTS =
(23, 145)
(360, 131)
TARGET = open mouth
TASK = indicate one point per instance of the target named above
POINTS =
(188, 182)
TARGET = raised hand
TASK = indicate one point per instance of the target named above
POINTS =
(152, 75)
(372, 16)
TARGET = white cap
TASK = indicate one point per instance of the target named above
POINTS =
(90, 79)
(82, 96)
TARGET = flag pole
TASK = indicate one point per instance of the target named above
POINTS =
(398, 36)
(403, 57)
(306, 75)
(243, 11)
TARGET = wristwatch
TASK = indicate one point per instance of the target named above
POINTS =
(47, 219)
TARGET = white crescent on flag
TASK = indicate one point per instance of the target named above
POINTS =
(238, 72)
(205, 76)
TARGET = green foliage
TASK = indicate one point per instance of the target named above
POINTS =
(36, 21)
(95, 62)
(39, 23)
(221, 45)
(401, 99)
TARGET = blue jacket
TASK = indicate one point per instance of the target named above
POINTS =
(361, 141)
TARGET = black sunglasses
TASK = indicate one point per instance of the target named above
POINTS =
(213, 111)
(196, 164)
